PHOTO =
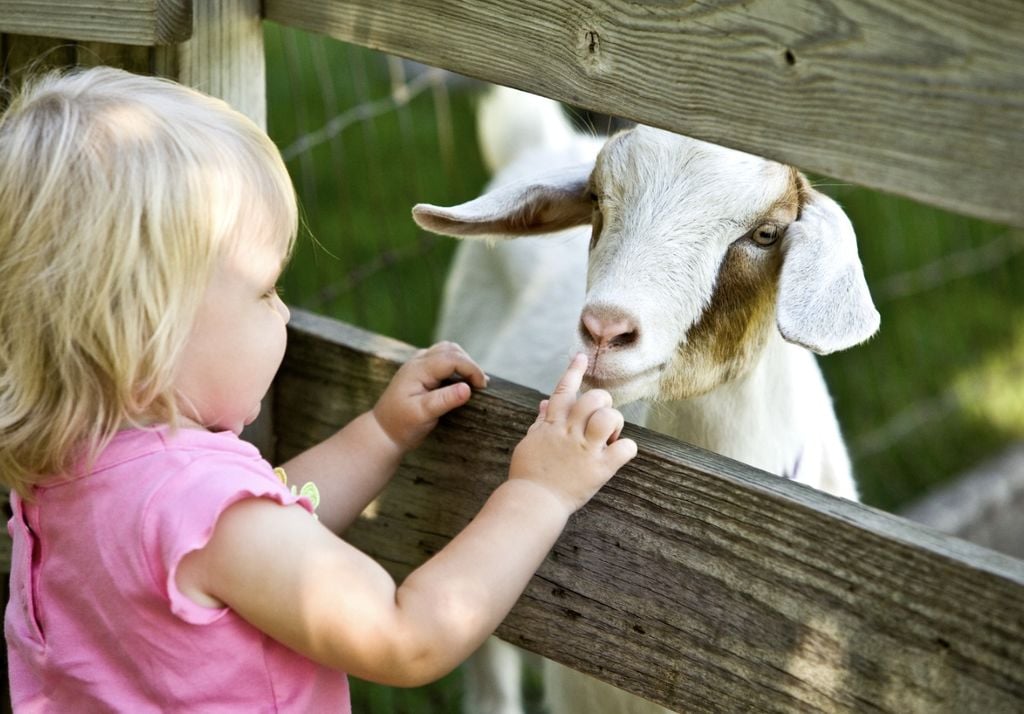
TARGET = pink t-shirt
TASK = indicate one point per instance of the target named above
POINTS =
(95, 621)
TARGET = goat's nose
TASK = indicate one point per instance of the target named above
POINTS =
(608, 329)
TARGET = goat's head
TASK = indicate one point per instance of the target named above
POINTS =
(697, 254)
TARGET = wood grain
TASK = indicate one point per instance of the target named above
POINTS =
(224, 56)
(691, 580)
(130, 22)
(923, 98)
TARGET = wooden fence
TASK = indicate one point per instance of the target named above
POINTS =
(920, 99)
(690, 580)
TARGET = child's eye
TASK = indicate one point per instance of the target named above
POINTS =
(275, 291)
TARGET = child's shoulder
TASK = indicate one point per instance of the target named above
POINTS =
(166, 473)
(186, 452)
(138, 463)
(185, 444)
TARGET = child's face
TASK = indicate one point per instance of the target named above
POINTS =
(237, 341)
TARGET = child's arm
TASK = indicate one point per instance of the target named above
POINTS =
(351, 467)
(291, 578)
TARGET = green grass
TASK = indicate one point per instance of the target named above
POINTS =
(938, 390)
(944, 372)
(442, 696)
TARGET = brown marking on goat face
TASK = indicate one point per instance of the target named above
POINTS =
(728, 338)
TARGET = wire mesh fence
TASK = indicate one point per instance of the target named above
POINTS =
(365, 136)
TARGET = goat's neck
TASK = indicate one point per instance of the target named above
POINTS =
(759, 418)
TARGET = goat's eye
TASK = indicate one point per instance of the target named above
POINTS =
(766, 234)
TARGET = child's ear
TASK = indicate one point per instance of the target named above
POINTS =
(543, 204)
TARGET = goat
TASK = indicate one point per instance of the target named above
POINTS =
(698, 280)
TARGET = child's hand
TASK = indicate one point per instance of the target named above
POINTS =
(410, 406)
(574, 447)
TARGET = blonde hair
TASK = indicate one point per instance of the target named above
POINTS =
(118, 194)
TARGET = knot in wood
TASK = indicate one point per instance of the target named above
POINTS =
(590, 52)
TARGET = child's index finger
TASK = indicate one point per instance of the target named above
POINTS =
(564, 394)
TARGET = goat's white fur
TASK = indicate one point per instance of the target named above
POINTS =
(674, 211)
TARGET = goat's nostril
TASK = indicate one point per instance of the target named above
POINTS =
(625, 339)
(608, 332)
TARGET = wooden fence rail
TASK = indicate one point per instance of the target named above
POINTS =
(127, 22)
(690, 580)
(922, 99)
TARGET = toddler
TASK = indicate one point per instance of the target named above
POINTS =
(159, 564)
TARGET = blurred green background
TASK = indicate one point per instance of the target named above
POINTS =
(937, 391)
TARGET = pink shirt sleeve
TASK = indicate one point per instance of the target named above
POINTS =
(181, 516)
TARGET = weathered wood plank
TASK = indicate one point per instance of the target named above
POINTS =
(129, 22)
(922, 99)
(690, 579)
(224, 56)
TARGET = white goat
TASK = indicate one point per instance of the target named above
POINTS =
(711, 274)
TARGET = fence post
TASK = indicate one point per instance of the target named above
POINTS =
(224, 57)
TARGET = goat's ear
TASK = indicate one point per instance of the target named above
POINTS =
(540, 205)
(823, 302)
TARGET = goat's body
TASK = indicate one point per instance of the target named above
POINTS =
(516, 305)
(777, 417)
(497, 295)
